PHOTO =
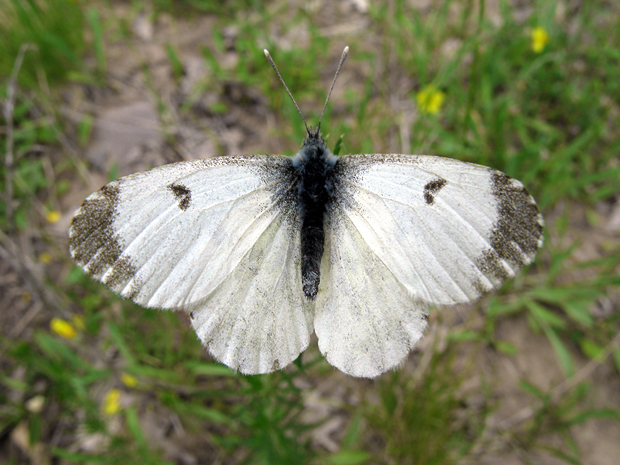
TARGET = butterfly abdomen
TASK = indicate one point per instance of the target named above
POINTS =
(313, 163)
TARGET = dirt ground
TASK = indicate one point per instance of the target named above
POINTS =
(128, 133)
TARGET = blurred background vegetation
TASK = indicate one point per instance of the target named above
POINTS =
(91, 90)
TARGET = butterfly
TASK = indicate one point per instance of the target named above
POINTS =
(262, 250)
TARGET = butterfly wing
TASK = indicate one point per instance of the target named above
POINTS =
(218, 238)
(405, 232)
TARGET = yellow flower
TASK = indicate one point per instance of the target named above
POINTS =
(112, 402)
(45, 258)
(128, 380)
(63, 328)
(430, 99)
(53, 216)
(540, 38)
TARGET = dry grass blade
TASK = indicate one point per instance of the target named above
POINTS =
(7, 111)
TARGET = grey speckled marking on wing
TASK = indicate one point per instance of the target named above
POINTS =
(93, 242)
(518, 232)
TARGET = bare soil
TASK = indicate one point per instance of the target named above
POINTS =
(128, 134)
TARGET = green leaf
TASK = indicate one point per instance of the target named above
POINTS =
(591, 349)
(119, 341)
(175, 62)
(579, 312)
(598, 414)
(338, 145)
(505, 347)
(354, 431)
(85, 129)
(348, 457)
(532, 390)
(211, 369)
(545, 316)
(94, 21)
(561, 352)
(133, 425)
(616, 354)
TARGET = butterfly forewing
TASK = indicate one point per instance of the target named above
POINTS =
(446, 229)
(215, 237)
(154, 235)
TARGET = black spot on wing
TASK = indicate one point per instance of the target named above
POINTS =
(183, 195)
(518, 231)
(431, 188)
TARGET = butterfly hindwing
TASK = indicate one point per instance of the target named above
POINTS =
(215, 237)
(406, 232)
(258, 319)
(365, 320)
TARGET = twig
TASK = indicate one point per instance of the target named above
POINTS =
(7, 111)
(32, 276)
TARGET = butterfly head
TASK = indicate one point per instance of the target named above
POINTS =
(313, 149)
(314, 137)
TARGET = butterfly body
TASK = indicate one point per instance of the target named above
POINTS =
(314, 164)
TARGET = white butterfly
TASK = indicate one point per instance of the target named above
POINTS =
(264, 250)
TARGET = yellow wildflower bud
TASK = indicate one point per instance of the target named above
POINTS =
(63, 328)
(430, 99)
(53, 216)
(128, 380)
(112, 402)
(540, 38)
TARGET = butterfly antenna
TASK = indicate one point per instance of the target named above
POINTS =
(345, 52)
(273, 65)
